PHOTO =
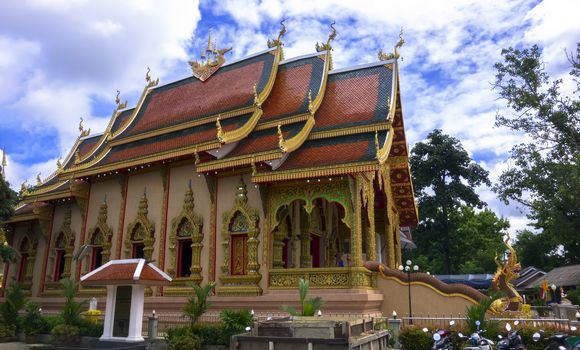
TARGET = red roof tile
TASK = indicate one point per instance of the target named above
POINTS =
(228, 89)
(87, 145)
(123, 272)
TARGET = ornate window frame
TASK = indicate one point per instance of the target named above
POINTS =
(189, 215)
(26, 280)
(106, 232)
(69, 245)
(247, 284)
(147, 232)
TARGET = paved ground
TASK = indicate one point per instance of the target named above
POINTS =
(14, 346)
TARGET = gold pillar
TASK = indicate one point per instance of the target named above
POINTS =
(253, 266)
(356, 230)
(305, 256)
(278, 245)
(68, 253)
(195, 267)
(371, 239)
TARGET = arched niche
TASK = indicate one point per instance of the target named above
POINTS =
(25, 270)
(240, 267)
(61, 251)
(185, 243)
(140, 236)
(100, 240)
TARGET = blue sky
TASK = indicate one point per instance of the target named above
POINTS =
(61, 60)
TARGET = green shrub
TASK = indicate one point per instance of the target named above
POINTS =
(181, 338)
(310, 306)
(211, 333)
(7, 330)
(65, 332)
(542, 311)
(71, 310)
(198, 303)
(574, 296)
(236, 321)
(33, 323)
(89, 328)
(14, 302)
(51, 322)
(413, 338)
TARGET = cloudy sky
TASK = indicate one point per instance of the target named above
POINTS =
(61, 60)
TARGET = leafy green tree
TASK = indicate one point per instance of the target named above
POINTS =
(545, 177)
(539, 250)
(8, 200)
(444, 178)
(480, 237)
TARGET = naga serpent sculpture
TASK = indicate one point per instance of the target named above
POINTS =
(501, 282)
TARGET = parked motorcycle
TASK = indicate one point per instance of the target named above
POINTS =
(513, 340)
(478, 341)
(560, 341)
(442, 338)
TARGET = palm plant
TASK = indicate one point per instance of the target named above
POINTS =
(198, 303)
(71, 311)
(310, 306)
(478, 311)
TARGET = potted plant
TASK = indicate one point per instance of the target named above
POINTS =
(309, 307)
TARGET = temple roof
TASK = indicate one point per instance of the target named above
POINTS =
(287, 119)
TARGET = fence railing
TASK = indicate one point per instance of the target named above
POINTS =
(461, 322)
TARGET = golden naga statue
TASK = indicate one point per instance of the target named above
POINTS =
(501, 282)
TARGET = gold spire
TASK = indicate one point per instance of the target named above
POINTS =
(220, 131)
(4, 163)
(384, 57)
(118, 101)
(278, 41)
(204, 69)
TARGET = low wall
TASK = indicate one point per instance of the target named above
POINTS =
(429, 296)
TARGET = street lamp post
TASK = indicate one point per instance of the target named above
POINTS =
(407, 269)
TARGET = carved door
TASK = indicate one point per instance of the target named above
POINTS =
(239, 254)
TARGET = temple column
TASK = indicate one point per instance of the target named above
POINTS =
(305, 256)
(68, 253)
(278, 245)
(371, 239)
(195, 267)
(356, 231)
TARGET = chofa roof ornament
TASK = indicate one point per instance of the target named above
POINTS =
(326, 47)
(212, 59)
(385, 57)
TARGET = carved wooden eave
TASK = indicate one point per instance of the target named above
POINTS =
(41, 213)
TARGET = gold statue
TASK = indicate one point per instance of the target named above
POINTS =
(507, 271)
(207, 66)
(385, 57)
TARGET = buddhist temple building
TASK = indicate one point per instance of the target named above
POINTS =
(250, 174)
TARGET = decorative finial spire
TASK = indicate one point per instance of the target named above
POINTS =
(331, 37)
(241, 193)
(118, 101)
(82, 129)
(150, 82)
(196, 154)
(281, 141)
(24, 189)
(38, 180)
(384, 57)
(257, 101)
(278, 41)
(4, 163)
(220, 131)
(58, 165)
(377, 145)
(310, 107)
(204, 69)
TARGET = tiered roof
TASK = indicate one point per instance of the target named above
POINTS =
(286, 119)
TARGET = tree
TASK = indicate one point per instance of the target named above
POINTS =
(537, 250)
(444, 178)
(8, 200)
(480, 236)
(545, 177)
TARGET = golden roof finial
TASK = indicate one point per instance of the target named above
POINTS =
(24, 189)
(4, 162)
(147, 76)
(204, 69)
(77, 157)
(82, 129)
(331, 37)
(281, 141)
(196, 154)
(150, 82)
(257, 101)
(118, 101)
(220, 131)
(389, 56)
(278, 41)
(38, 180)
(209, 42)
(310, 107)
(58, 165)
(254, 169)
